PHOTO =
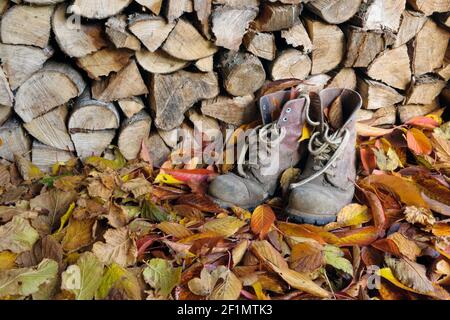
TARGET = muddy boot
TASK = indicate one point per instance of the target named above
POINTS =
(327, 183)
(269, 150)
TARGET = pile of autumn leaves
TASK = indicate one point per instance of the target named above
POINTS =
(116, 230)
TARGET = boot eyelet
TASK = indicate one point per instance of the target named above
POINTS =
(288, 110)
(285, 119)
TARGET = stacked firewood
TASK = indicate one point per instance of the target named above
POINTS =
(77, 76)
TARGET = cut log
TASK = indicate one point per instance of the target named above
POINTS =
(14, 140)
(131, 106)
(276, 16)
(27, 25)
(76, 39)
(377, 95)
(173, 94)
(314, 83)
(116, 29)
(5, 114)
(229, 25)
(176, 8)
(209, 127)
(261, 44)
(124, 84)
(153, 5)
(243, 73)
(6, 95)
(385, 116)
(428, 7)
(444, 72)
(93, 115)
(345, 78)
(157, 149)
(42, 92)
(44, 157)
(203, 10)
(20, 62)
(334, 12)
(409, 111)
(93, 143)
(134, 130)
(297, 37)
(410, 25)
(363, 46)
(98, 9)
(186, 43)
(159, 61)
(67, 70)
(231, 110)
(51, 129)
(291, 63)
(328, 43)
(104, 61)
(172, 137)
(424, 90)
(238, 3)
(392, 67)
(429, 46)
(205, 64)
(151, 30)
(380, 14)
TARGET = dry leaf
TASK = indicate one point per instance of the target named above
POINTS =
(262, 219)
(118, 248)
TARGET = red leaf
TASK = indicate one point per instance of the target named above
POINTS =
(143, 243)
(196, 179)
(201, 202)
(377, 210)
(368, 159)
(423, 122)
(418, 142)
(262, 219)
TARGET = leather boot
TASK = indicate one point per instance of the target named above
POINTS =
(277, 149)
(327, 183)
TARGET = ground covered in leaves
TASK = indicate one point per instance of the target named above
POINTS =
(109, 229)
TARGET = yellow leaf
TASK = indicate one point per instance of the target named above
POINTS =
(387, 274)
(418, 142)
(7, 260)
(225, 227)
(167, 179)
(351, 215)
(262, 219)
(66, 217)
(259, 291)
(174, 229)
(306, 133)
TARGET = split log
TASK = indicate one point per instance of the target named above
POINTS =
(243, 73)
(186, 43)
(42, 92)
(291, 63)
(51, 129)
(76, 39)
(409, 111)
(15, 140)
(173, 94)
(314, 83)
(229, 25)
(392, 67)
(153, 5)
(151, 30)
(297, 37)
(124, 84)
(20, 62)
(261, 44)
(410, 25)
(424, 90)
(276, 16)
(67, 70)
(238, 3)
(345, 78)
(209, 127)
(363, 46)
(5, 114)
(203, 10)
(27, 25)
(44, 157)
(173, 137)
(131, 106)
(377, 95)
(176, 8)
(231, 110)
(93, 143)
(428, 7)
(444, 72)
(116, 29)
(385, 116)
(363, 115)
(158, 150)
(429, 46)
(6, 95)
(159, 61)
(98, 9)
(205, 64)
(104, 61)
(328, 43)
(134, 130)
(380, 14)
(334, 12)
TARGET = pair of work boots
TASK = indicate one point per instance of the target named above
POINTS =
(327, 182)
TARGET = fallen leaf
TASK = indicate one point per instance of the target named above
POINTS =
(360, 237)
(307, 257)
(418, 142)
(368, 159)
(196, 179)
(174, 229)
(229, 289)
(406, 247)
(353, 214)
(423, 122)
(118, 247)
(239, 251)
(68, 183)
(204, 285)
(365, 130)
(45, 248)
(103, 164)
(79, 233)
(199, 201)
(17, 235)
(154, 213)
(387, 162)
(7, 260)
(419, 215)
(162, 276)
(120, 279)
(335, 257)
(262, 219)
(225, 227)
(138, 187)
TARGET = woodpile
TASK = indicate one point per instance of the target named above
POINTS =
(77, 76)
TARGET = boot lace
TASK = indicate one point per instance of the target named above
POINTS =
(324, 147)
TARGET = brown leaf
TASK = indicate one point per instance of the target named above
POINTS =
(262, 219)
(79, 233)
(138, 187)
(46, 247)
(201, 202)
(119, 247)
(68, 183)
(307, 257)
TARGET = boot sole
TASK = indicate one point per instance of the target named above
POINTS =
(227, 205)
(308, 218)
